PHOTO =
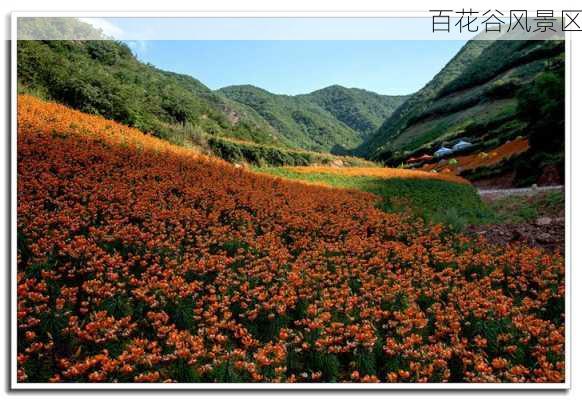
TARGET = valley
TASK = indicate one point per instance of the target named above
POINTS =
(486, 106)
(144, 261)
(171, 233)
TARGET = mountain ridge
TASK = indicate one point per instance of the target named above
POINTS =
(311, 121)
(104, 77)
(475, 93)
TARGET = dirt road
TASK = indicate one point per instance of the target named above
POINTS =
(529, 191)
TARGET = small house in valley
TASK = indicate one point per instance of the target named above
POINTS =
(443, 152)
(461, 145)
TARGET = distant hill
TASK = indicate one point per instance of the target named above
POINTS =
(331, 119)
(300, 122)
(476, 95)
(484, 94)
(103, 77)
(361, 110)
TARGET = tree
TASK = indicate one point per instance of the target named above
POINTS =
(542, 105)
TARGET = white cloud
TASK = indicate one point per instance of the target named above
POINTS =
(107, 27)
(139, 47)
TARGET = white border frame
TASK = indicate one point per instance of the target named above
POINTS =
(15, 385)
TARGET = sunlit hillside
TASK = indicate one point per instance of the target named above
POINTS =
(141, 261)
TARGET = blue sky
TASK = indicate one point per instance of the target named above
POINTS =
(295, 67)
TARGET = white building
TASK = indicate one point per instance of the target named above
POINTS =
(461, 144)
(442, 152)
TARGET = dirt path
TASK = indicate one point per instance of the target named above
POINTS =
(529, 191)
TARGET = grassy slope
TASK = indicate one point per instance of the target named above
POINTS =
(519, 209)
(398, 120)
(474, 95)
(435, 200)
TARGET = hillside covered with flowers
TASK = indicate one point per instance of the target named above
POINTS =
(140, 261)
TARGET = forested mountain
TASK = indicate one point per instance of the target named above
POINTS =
(476, 95)
(484, 93)
(103, 77)
(331, 119)
(361, 110)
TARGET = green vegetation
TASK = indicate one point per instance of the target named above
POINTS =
(332, 119)
(518, 209)
(431, 134)
(257, 154)
(263, 155)
(47, 28)
(542, 107)
(398, 121)
(361, 110)
(501, 57)
(452, 204)
(103, 77)
(482, 94)
(540, 115)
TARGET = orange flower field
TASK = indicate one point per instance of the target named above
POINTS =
(140, 261)
(468, 162)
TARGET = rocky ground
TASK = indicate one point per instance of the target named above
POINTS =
(535, 218)
(548, 233)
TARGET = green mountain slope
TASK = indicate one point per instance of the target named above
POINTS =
(361, 110)
(103, 77)
(302, 123)
(475, 95)
(331, 119)
(418, 101)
